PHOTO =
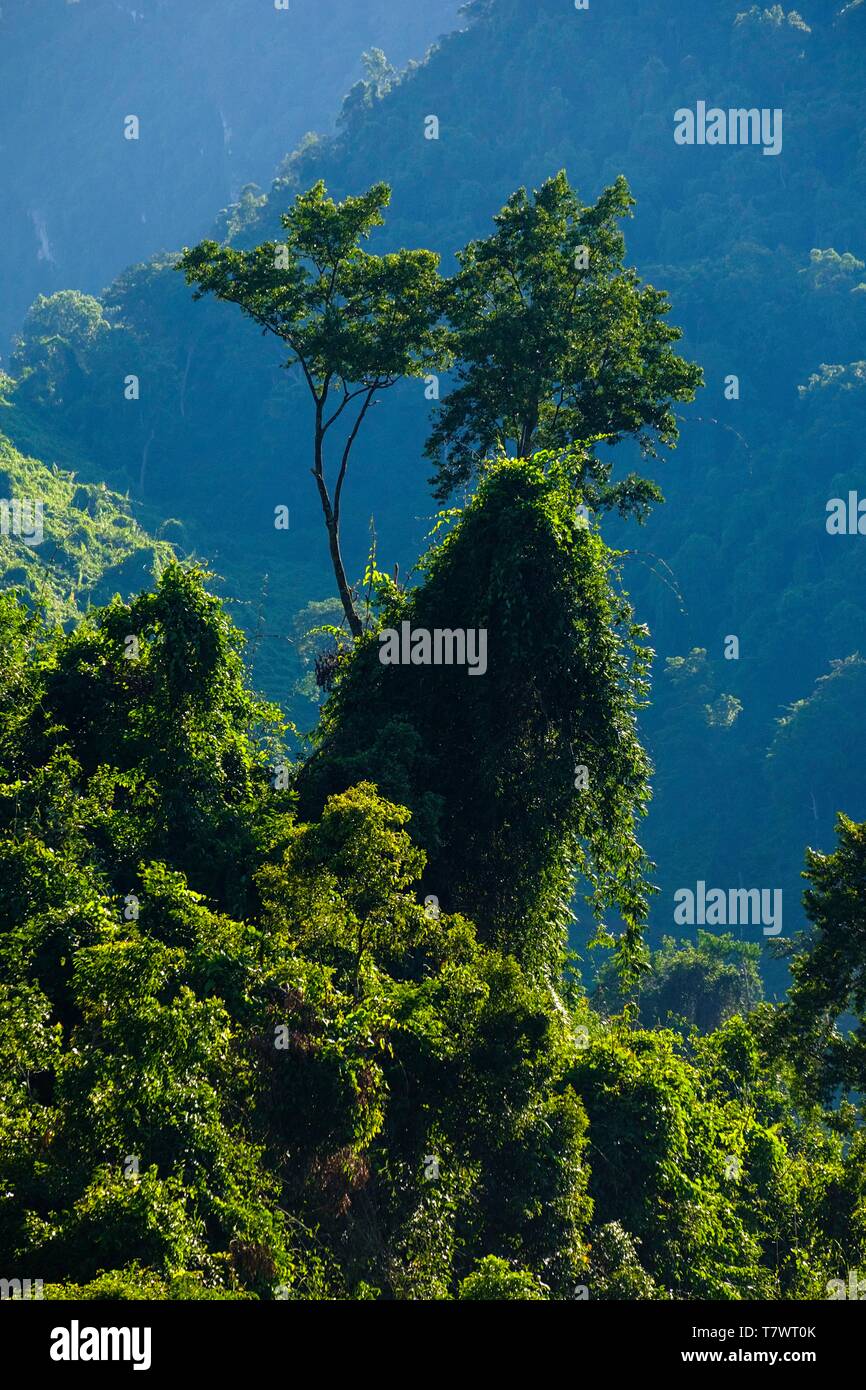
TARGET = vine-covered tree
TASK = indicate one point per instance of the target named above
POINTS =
(531, 773)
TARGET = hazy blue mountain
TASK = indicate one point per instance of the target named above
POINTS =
(223, 90)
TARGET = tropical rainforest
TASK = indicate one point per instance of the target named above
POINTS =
(432, 639)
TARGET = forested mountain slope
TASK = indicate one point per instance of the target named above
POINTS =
(67, 544)
(764, 259)
(369, 1014)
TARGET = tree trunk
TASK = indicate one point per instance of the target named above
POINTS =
(355, 625)
(340, 574)
(524, 443)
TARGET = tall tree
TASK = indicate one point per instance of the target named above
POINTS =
(558, 343)
(354, 322)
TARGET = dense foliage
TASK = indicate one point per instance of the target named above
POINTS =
(239, 1042)
(241, 1057)
(373, 1011)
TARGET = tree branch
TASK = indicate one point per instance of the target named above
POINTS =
(344, 462)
